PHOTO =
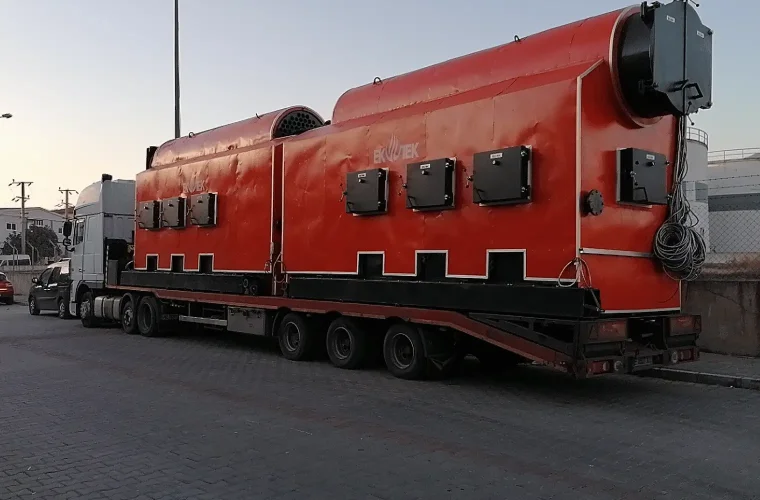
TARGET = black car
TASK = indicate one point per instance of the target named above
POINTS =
(50, 292)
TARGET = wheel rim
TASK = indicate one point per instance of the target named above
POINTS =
(32, 304)
(402, 351)
(292, 336)
(341, 343)
(61, 309)
(128, 316)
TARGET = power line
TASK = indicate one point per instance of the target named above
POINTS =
(66, 204)
(23, 199)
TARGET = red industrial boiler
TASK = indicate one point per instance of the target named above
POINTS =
(540, 179)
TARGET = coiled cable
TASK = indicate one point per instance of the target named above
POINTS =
(678, 245)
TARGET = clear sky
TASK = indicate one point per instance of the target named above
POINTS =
(90, 82)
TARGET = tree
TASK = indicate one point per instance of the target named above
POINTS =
(42, 239)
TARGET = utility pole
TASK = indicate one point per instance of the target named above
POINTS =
(176, 69)
(66, 204)
(23, 198)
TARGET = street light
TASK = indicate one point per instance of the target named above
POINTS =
(176, 70)
(6, 115)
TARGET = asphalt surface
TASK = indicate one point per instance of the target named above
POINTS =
(98, 414)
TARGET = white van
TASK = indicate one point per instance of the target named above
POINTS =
(15, 260)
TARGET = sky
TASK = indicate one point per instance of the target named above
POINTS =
(91, 82)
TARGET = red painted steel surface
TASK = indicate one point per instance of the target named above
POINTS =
(488, 118)
(555, 91)
(234, 161)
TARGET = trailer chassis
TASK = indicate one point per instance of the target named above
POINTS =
(583, 348)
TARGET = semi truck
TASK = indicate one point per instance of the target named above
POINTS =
(520, 204)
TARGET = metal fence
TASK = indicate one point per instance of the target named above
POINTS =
(696, 134)
(727, 155)
(730, 218)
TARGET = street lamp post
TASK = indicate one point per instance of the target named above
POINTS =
(176, 70)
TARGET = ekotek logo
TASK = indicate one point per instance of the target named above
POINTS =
(395, 151)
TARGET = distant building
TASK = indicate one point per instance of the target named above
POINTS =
(10, 221)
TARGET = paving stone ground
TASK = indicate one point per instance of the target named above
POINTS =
(720, 364)
(96, 414)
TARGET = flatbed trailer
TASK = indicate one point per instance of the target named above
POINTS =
(590, 347)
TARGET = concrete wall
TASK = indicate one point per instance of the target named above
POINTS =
(729, 302)
(22, 281)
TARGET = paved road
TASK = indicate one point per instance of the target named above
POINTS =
(98, 414)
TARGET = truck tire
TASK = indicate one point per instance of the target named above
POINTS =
(297, 338)
(128, 315)
(87, 310)
(404, 352)
(148, 317)
(347, 343)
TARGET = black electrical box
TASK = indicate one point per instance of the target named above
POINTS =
(173, 212)
(367, 192)
(203, 209)
(149, 215)
(642, 177)
(502, 176)
(430, 184)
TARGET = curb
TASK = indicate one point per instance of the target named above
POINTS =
(750, 383)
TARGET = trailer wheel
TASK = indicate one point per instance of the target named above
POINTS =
(87, 310)
(404, 352)
(297, 338)
(347, 343)
(128, 315)
(147, 317)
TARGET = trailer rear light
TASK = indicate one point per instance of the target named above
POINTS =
(685, 325)
(609, 331)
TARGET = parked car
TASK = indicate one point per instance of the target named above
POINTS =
(50, 291)
(6, 289)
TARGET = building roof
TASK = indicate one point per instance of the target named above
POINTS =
(32, 213)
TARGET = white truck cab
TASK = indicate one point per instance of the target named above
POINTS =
(103, 229)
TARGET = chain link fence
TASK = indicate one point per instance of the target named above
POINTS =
(727, 206)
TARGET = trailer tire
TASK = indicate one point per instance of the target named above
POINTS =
(87, 310)
(347, 343)
(148, 317)
(128, 315)
(298, 338)
(404, 352)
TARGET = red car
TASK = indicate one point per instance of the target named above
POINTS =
(6, 289)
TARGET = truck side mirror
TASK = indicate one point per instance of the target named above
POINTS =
(67, 228)
(35, 280)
